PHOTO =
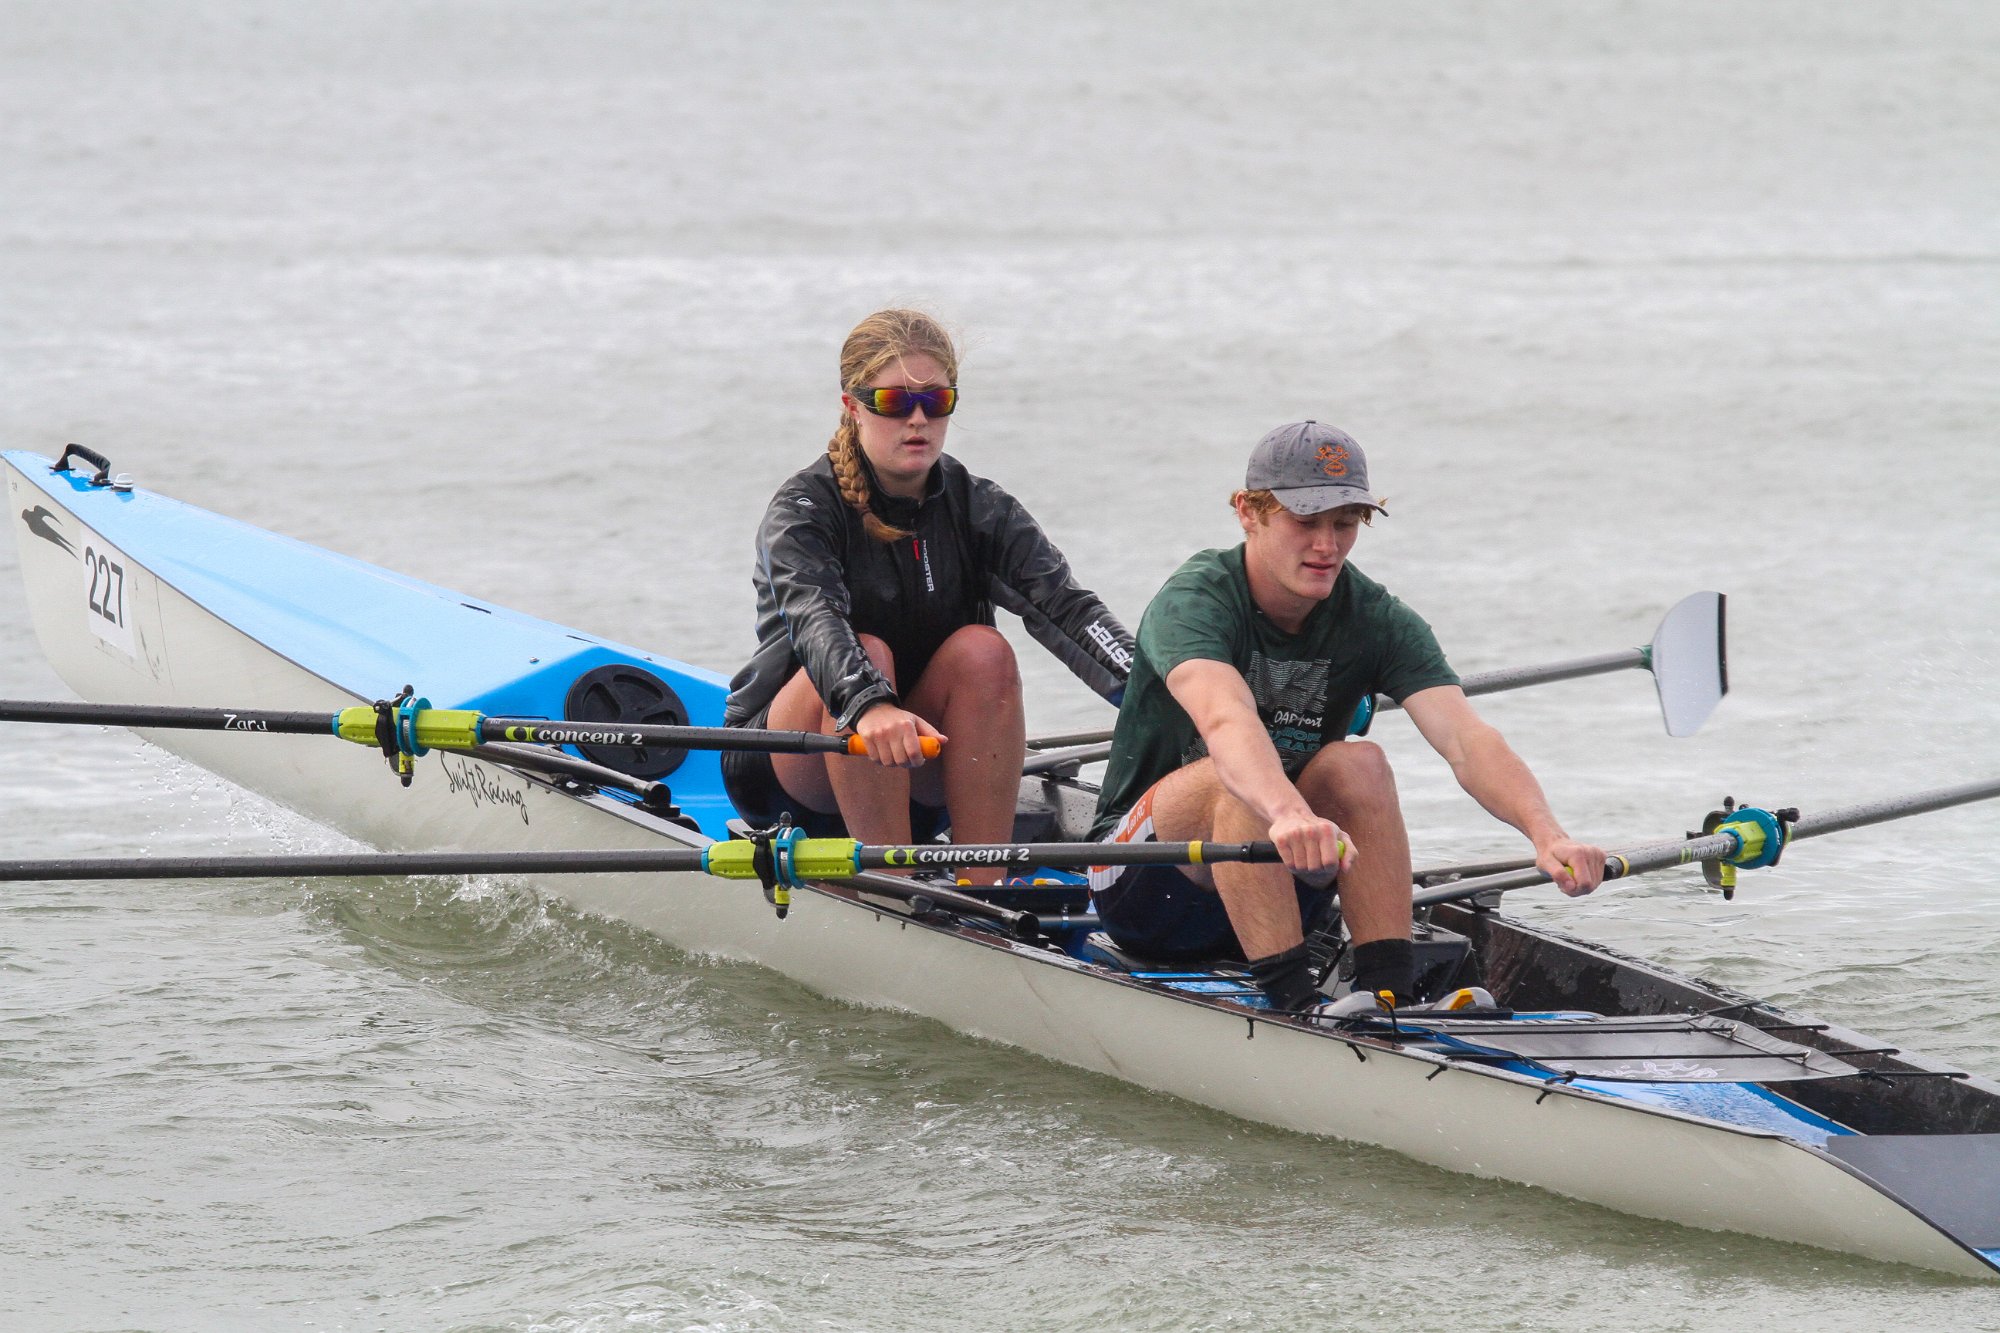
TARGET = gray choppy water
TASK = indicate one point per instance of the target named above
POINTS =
(540, 301)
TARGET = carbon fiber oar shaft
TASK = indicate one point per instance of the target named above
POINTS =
(357, 864)
(437, 728)
(173, 719)
(832, 858)
(1722, 846)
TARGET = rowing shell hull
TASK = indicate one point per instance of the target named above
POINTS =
(211, 612)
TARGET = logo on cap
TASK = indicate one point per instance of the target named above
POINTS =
(1310, 468)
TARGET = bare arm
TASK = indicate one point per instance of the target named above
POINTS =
(1218, 700)
(1492, 774)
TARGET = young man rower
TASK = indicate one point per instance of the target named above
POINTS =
(1251, 663)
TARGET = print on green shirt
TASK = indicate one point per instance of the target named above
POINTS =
(1359, 641)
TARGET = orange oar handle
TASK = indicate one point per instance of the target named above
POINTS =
(931, 746)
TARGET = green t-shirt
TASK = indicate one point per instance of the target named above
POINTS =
(1358, 642)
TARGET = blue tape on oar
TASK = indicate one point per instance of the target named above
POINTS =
(406, 727)
(781, 855)
(1774, 837)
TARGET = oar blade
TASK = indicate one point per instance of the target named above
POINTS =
(1690, 662)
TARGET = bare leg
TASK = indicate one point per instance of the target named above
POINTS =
(1351, 784)
(873, 801)
(971, 691)
(1263, 907)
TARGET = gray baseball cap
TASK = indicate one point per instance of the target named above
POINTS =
(1311, 468)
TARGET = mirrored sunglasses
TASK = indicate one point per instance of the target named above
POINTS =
(902, 402)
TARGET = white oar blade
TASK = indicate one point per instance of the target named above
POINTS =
(1690, 662)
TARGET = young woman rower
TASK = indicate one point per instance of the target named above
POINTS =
(878, 568)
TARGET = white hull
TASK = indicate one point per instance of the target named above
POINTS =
(1484, 1122)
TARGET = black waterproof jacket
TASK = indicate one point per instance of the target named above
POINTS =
(821, 581)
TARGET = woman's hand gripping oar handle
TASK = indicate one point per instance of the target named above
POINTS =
(930, 746)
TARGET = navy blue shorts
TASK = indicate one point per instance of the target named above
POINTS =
(1157, 912)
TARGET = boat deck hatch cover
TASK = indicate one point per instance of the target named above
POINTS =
(1952, 1179)
(1665, 1049)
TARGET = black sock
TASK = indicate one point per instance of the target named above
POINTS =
(1287, 978)
(1386, 965)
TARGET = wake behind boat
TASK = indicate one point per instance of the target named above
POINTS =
(1594, 1075)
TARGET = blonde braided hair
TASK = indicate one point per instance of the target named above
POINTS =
(884, 337)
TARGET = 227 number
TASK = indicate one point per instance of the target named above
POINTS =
(107, 586)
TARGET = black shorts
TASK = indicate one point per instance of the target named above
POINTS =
(752, 786)
(1157, 912)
